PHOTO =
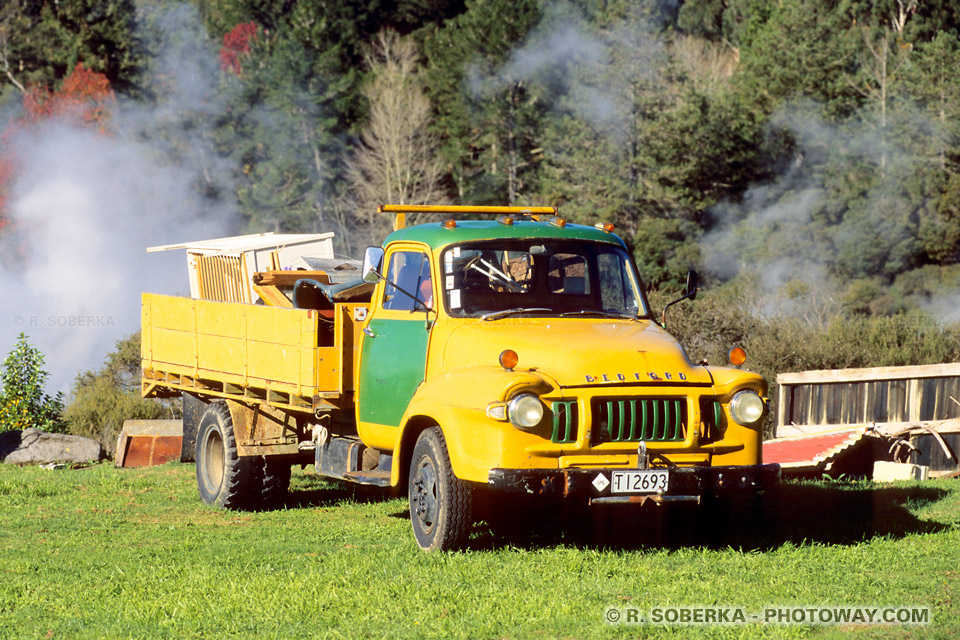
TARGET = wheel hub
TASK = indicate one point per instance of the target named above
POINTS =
(213, 460)
(425, 494)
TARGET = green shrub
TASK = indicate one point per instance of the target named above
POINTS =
(103, 399)
(23, 401)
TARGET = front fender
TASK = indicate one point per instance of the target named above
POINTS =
(728, 381)
(457, 402)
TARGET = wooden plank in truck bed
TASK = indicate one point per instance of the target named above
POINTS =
(261, 353)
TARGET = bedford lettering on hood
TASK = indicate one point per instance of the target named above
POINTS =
(578, 352)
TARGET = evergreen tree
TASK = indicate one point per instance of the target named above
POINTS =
(42, 42)
(487, 113)
(650, 140)
(804, 49)
(276, 131)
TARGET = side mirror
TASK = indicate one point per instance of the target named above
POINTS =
(372, 261)
(693, 281)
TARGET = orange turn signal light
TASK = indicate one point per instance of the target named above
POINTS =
(509, 359)
(605, 226)
(737, 356)
(450, 224)
(558, 222)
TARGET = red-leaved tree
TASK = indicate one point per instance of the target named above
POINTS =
(84, 96)
(236, 43)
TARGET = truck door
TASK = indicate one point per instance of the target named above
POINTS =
(393, 353)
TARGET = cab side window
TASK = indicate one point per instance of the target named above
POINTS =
(410, 271)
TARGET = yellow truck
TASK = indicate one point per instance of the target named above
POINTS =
(510, 353)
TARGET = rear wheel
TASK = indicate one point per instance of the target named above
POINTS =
(275, 483)
(440, 503)
(224, 479)
(192, 408)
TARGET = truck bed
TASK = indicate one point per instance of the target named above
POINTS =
(256, 354)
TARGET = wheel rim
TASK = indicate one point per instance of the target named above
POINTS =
(425, 492)
(213, 457)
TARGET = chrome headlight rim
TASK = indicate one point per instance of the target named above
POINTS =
(747, 408)
(525, 411)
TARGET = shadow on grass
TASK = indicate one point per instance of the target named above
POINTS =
(795, 513)
(316, 492)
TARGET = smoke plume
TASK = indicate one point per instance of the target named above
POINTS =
(86, 206)
(803, 240)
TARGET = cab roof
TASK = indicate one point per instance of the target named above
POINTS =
(434, 235)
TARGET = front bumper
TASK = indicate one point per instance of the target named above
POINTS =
(686, 483)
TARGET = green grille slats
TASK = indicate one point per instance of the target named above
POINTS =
(565, 421)
(636, 419)
(623, 420)
(711, 414)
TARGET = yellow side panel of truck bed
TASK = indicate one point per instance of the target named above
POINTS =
(250, 345)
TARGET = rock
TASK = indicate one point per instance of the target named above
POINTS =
(32, 446)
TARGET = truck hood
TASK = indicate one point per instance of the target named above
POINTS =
(577, 352)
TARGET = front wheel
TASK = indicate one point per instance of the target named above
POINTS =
(440, 502)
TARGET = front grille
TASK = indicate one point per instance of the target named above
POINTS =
(565, 421)
(636, 419)
(711, 413)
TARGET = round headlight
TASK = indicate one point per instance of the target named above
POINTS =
(525, 411)
(746, 408)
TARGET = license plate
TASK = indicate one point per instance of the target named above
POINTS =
(644, 481)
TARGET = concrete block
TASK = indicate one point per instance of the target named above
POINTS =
(890, 471)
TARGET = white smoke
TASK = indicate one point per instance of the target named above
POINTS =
(591, 71)
(87, 205)
(559, 40)
(772, 219)
(788, 235)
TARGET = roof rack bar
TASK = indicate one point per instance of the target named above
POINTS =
(402, 209)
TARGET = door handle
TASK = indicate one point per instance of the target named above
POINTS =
(369, 332)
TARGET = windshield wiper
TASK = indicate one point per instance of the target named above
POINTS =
(597, 312)
(509, 312)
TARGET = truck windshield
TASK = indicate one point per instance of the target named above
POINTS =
(545, 277)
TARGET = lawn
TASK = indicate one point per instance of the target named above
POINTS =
(102, 552)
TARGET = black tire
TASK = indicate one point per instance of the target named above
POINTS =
(274, 484)
(224, 479)
(192, 408)
(440, 503)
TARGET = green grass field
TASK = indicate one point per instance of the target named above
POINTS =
(101, 552)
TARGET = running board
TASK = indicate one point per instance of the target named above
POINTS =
(345, 459)
(376, 478)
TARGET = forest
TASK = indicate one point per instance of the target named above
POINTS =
(802, 155)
